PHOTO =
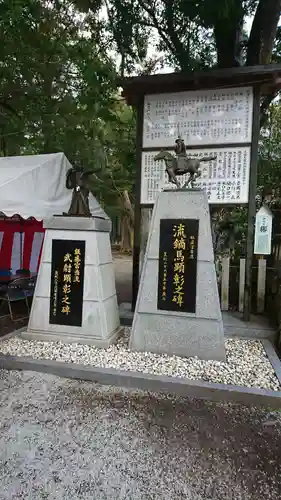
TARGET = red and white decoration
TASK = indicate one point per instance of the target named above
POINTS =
(20, 244)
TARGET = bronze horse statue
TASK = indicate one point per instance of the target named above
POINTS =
(181, 165)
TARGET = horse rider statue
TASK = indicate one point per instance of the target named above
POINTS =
(181, 164)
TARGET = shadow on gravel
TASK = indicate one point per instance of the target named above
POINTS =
(211, 440)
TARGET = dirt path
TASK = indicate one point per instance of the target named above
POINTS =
(123, 267)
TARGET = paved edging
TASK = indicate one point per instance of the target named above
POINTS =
(14, 333)
(273, 358)
(256, 332)
(173, 385)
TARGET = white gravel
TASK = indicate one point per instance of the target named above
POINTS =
(63, 439)
(247, 363)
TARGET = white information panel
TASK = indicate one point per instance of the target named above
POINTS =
(225, 179)
(202, 117)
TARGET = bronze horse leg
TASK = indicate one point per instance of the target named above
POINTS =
(190, 180)
(172, 177)
(170, 169)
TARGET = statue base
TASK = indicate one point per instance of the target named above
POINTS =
(92, 315)
(193, 325)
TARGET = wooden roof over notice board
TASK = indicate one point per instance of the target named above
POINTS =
(267, 77)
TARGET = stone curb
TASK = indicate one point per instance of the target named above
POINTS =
(154, 383)
(273, 358)
(14, 333)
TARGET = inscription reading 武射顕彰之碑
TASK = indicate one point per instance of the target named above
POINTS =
(67, 282)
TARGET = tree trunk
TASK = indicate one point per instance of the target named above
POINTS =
(125, 246)
(47, 129)
(228, 44)
(127, 222)
(228, 29)
(128, 205)
(122, 65)
(263, 32)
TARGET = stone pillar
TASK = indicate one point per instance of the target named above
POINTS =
(175, 332)
(99, 320)
(145, 224)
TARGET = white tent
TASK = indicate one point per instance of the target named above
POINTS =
(34, 186)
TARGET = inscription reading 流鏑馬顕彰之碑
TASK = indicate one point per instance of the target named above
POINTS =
(177, 272)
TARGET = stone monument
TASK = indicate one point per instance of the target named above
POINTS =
(75, 296)
(178, 309)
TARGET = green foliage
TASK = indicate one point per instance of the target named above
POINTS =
(269, 173)
(58, 91)
(186, 43)
(230, 226)
(58, 83)
(194, 34)
(118, 171)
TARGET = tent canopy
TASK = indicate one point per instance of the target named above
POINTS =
(34, 186)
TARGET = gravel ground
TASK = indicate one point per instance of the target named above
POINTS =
(247, 363)
(63, 439)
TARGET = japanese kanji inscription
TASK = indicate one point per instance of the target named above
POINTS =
(177, 273)
(67, 281)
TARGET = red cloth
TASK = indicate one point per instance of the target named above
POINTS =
(10, 247)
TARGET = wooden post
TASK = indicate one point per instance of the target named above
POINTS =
(252, 204)
(225, 283)
(261, 284)
(241, 284)
(137, 224)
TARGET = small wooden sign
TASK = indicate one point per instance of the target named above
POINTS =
(177, 271)
(263, 231)
(67, 282)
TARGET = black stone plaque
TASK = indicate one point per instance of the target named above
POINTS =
(177, 272)
(67, 282)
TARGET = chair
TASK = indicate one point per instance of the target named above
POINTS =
(23, 272)
(5, 272)
(31, 285)
(18, 290)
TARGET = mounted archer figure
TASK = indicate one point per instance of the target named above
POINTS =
(181, 164)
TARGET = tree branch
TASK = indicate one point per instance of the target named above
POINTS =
(151, 11)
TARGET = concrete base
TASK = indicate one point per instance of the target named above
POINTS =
(179, 333)
(257, 328)
(233, 324)
(77, 223)
(100, 316)
(102, 343)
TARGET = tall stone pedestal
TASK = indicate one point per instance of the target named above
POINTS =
(87, 315)
(176, 332)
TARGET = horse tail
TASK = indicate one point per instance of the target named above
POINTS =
(208, 158)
